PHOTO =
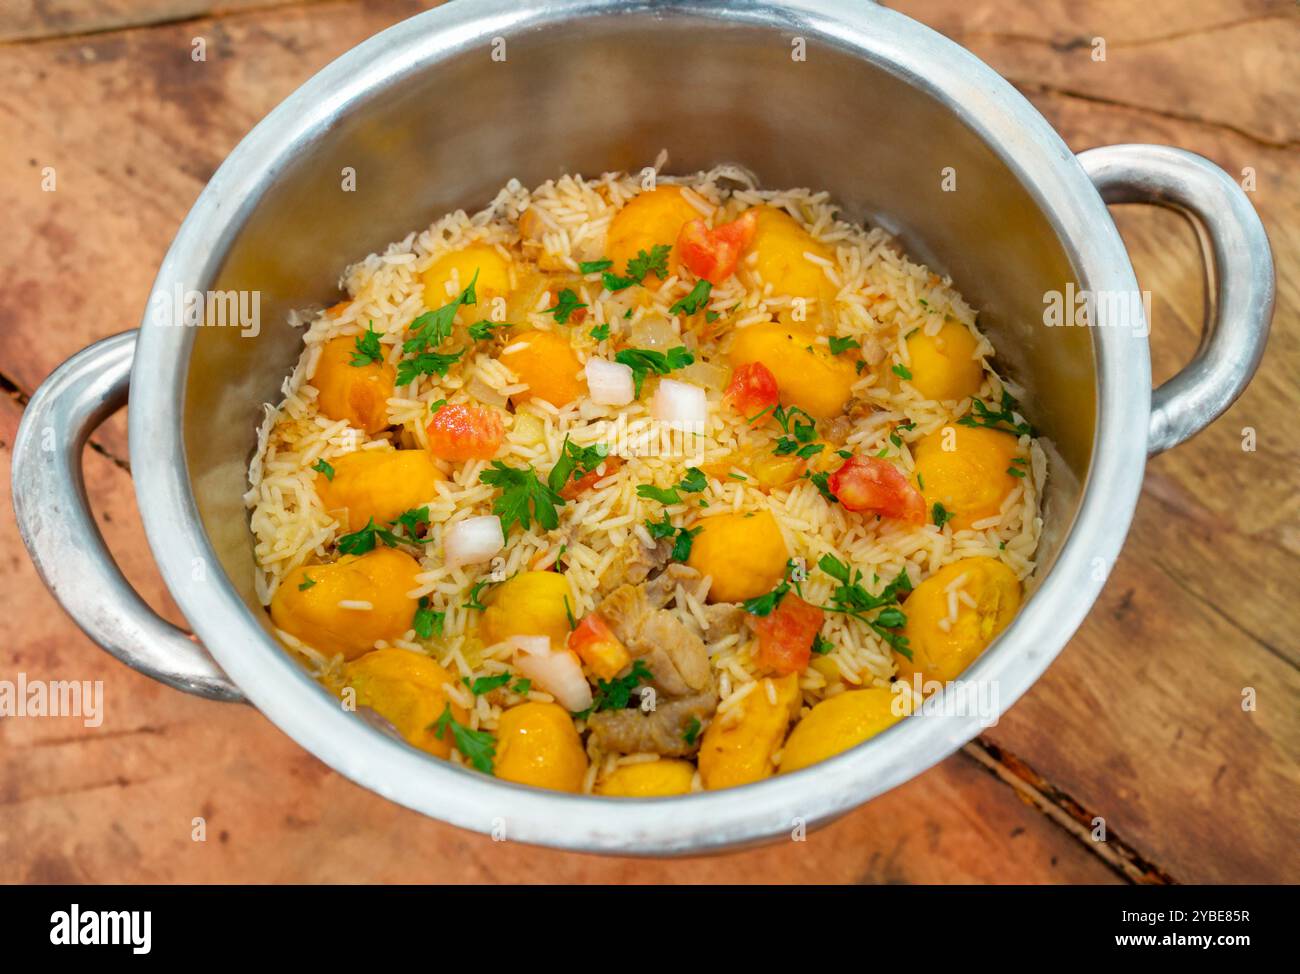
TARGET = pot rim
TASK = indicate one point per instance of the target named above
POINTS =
(283, 691)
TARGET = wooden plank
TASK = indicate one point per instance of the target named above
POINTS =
(28, 20)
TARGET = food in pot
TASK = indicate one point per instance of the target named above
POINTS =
(638, 486)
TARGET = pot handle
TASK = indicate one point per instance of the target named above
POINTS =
(53, 513)
(1239, 282)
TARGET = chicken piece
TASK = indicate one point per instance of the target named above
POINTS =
(638, 563)
(725, 619)
(665, 730)
(660, 590)
(674, 655)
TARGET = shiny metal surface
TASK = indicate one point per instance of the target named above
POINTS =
(428, 121)
(1238, 270)
(62, 538)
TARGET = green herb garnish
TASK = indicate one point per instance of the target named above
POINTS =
(478, 747)
(692, 303)
(566, 304)
(322, 466)
(367, 348)
(643, 361)
(360, 542)
(523, 497)
(840, 345)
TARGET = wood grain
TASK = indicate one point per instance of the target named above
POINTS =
(1138, 722)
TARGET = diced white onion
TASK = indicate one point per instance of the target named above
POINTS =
(609, 383)
(654, 333)
(680, 403)
(473, 540)
(558, 672)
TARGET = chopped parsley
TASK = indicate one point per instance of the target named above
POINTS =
(523, 497)
(660, 529)
(359, 542)
(482, 330)
(426, 363)
(486, 684)
(427, 623)
(473, 602)
(643, 361)
(682, 546)
(436, 405)
(600, 332)
(594, 266)
(693, 483)
(851, 598)
(478, 747)
(615, 694)
(568, 614)
(411, 520)
(692, 732)
(434, 327)
(903, 372)
(821, 645)
(822, 481)
(367, 349)
(322, 466)
(575, 462)
(692, 303)
(566, 304)
(307, 582)
(765, 605)
(656, 262)
(940, 514)
(1003, 419)
(841, 345)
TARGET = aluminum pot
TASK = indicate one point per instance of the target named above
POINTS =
(903, 127)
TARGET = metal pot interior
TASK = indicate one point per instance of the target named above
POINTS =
(605, 93)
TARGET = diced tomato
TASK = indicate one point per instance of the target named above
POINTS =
(872, 485)
(785, 635)
(712, 254)
(598, 647)
(465, 432)
(752, 390)
(573, 488)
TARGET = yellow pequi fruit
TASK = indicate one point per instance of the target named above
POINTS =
(409, 691)
(528, 604)
(451, 273)
(649, 220)
(973, 478)
(781, 243)
(807, 374)
(943, 365)
(942, 654)
(548, 363)
(308, 602)
(744, 553)
(378, 484)
(538, 745)
(837, 724)
(356, 394)
(650, 779)
(739, 753)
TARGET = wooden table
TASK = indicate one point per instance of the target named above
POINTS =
(1139, 722)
